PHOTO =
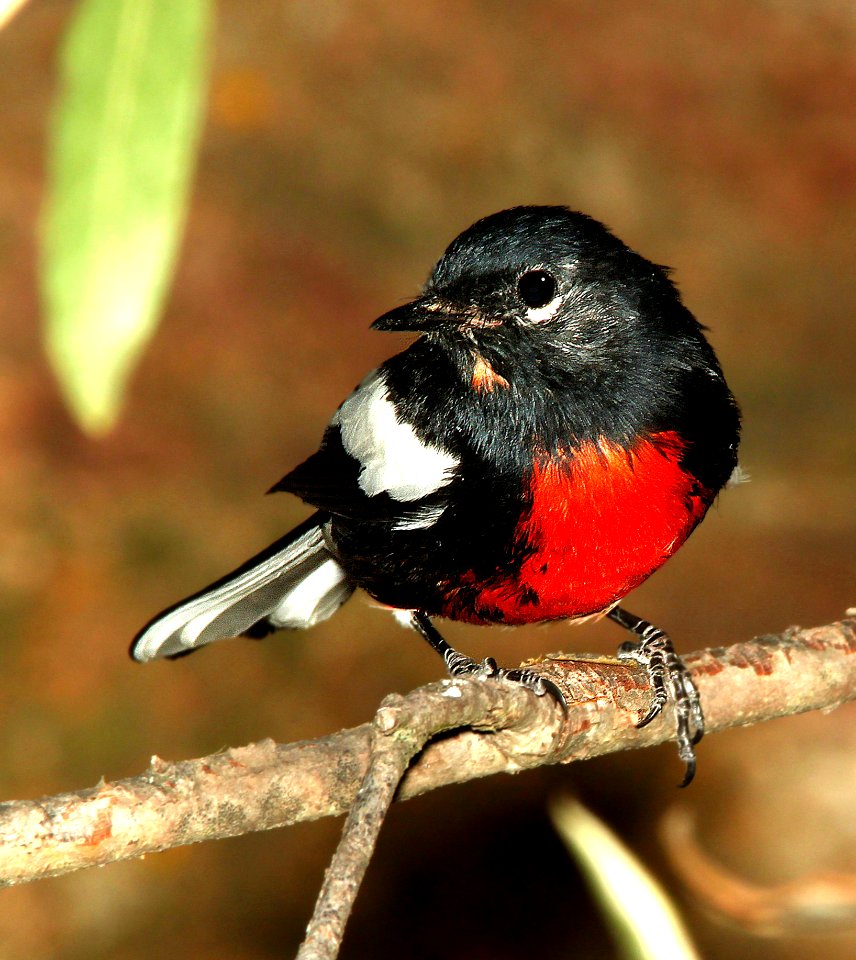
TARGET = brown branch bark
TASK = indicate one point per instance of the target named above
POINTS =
(501, 728)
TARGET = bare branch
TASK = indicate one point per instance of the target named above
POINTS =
(502, 728)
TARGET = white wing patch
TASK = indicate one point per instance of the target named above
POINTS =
(393, 459)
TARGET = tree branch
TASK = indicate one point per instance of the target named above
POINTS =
(500, 728)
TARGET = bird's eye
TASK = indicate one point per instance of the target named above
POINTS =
(536, 288)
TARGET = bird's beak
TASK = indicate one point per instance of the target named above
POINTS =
(421, 315)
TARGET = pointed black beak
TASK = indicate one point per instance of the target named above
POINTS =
(420, 315)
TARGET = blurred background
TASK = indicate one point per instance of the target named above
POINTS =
(345, 145)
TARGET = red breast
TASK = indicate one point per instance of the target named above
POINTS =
(603, 518)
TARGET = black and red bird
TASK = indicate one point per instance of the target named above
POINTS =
(557, 431)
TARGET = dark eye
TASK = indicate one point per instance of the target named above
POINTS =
(536, 288)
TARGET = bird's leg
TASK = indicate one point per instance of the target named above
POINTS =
(460, 665)
(669, 679)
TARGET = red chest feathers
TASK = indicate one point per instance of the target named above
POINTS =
(602, 519)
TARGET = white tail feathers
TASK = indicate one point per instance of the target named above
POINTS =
(295, 583)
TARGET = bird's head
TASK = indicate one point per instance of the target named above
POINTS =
(546, 282)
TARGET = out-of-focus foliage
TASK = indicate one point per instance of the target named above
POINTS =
(122, 150)
(8, 9)
(641, 916)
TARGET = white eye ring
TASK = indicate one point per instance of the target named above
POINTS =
(547, 312)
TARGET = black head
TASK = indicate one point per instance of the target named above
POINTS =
(546, 273)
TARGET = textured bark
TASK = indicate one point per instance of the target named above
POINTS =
(501, 728)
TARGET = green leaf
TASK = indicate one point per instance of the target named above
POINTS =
(123, 145)
(643, 920)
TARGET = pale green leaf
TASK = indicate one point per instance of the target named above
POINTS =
(637, 909)
(122, 150)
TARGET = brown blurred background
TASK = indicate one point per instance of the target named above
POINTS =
(346, 144)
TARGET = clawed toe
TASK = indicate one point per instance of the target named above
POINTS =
(670, 681)
(460, 665)
(487, 669)
(535, 682)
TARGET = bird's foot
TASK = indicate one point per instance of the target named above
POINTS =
(670, 680)
(460, 665)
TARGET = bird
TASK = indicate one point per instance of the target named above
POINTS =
(553, 435)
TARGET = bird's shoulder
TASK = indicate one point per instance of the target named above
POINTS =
(388, 452)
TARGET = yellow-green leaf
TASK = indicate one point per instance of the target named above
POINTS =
(122, 149)
(644, 921)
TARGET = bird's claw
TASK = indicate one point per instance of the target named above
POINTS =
(463, 666)
(670, 680)
(535, 682)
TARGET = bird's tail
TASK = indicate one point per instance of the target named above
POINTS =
(295, 583)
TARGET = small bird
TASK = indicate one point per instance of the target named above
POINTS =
(556, 432)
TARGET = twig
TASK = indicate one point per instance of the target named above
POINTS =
(402, 727)
(389, 759)
(264, 785)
